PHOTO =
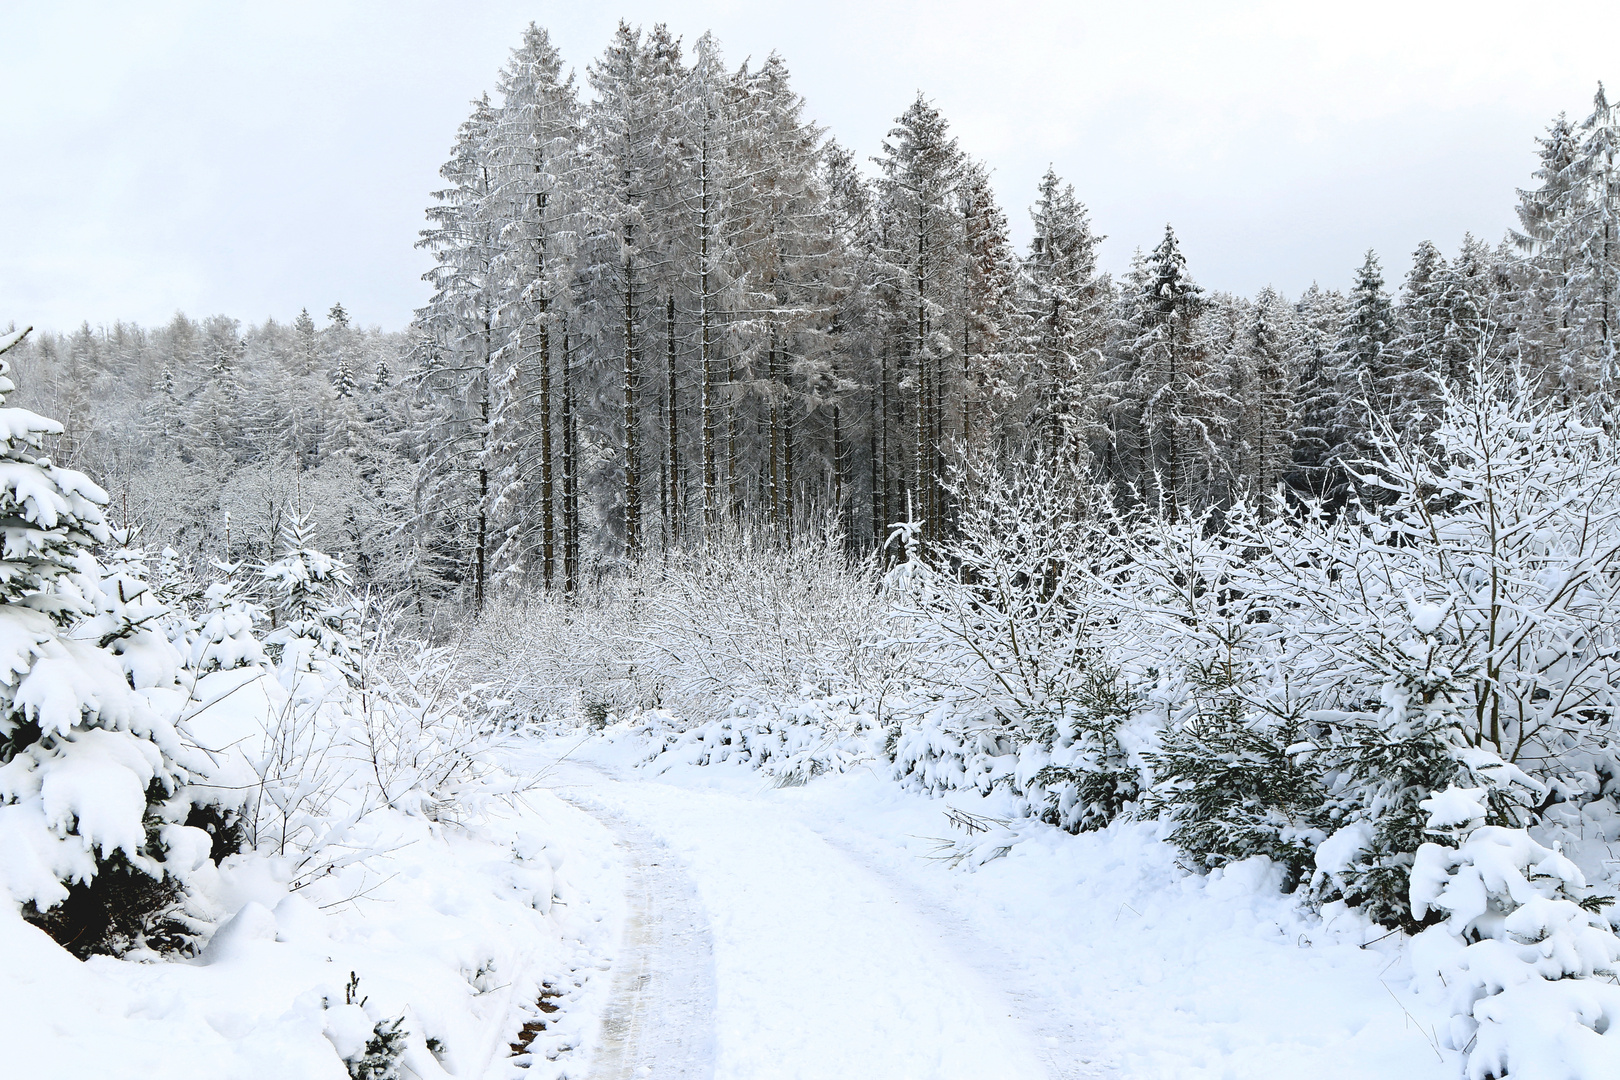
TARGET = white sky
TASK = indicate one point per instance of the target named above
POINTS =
(252, 159)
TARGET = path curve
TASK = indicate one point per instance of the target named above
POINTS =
(821, 969)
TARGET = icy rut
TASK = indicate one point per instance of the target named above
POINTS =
(657, 1021)
(821, 968)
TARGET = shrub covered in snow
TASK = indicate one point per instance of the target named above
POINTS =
(1011, 682)
(690, 632)
(1522, 960)
(791, 741)
(1324, 675)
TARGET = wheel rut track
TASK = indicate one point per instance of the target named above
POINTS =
(659, 1021)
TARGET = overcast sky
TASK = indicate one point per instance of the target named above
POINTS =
(255, 159)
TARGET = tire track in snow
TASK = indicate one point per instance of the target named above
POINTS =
(1060, 1043)
(658, 1023)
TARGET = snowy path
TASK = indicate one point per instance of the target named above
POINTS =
(822, 966)
(838, 947)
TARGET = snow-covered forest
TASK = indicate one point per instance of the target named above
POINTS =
(720, 443)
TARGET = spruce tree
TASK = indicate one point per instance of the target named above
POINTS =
(90, 769)
(1064, 316)
(921, 168)
(1168, 354)
(457, 353)
(1364, 361)
(535, 147)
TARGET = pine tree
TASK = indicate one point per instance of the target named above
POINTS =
(1408, 381)
(1168, 356)
(921, 168)
(1596, 239)
(1545, 312)
(782, 260)
(535, 148)
(1065, 315)
(457, 356)
(991, 321)
(624, 126)
(1364, 361)
(852, 333)
(89, 769)
(314, 622)
(1320, 392)
(1265, 393)
(708, 102)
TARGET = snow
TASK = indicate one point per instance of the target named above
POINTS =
(1455, 807)
(712, 920)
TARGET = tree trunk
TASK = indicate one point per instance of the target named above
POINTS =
(711, 494)
(773, 437)
(570, 478)
(732, 477)
(788, 481)
(674, 429)
(632, 440)
(548, 538)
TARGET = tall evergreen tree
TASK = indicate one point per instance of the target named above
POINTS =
(536, 150)
(458, 383)
(921, 167)
(1064, 308)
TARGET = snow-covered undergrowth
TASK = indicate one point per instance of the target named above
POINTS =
(240, 835)
(790, 741)
(1524, 965)
(689, 632)
(463, 936)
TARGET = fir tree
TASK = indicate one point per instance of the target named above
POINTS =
(1064, 314)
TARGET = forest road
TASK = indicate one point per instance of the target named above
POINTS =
(757, 950)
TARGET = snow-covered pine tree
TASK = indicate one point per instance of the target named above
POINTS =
(1065, 318)
(992, 326)
(1466, 292)
(783, 250)
(1544, 314)
(313, 615)
(457, 385)
(853, 332)
(1363, 362)
(1264, 390)
(1596, 241)
(1319, 314)
(624, 126)
(92, 773)
(1407, 383)
(1167, 359)
(535, 147)
(922, 266)
(709, 103)
(304, 334)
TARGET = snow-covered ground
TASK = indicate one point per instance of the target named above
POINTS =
(463, 933)
(687, 921)
(843, 945)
